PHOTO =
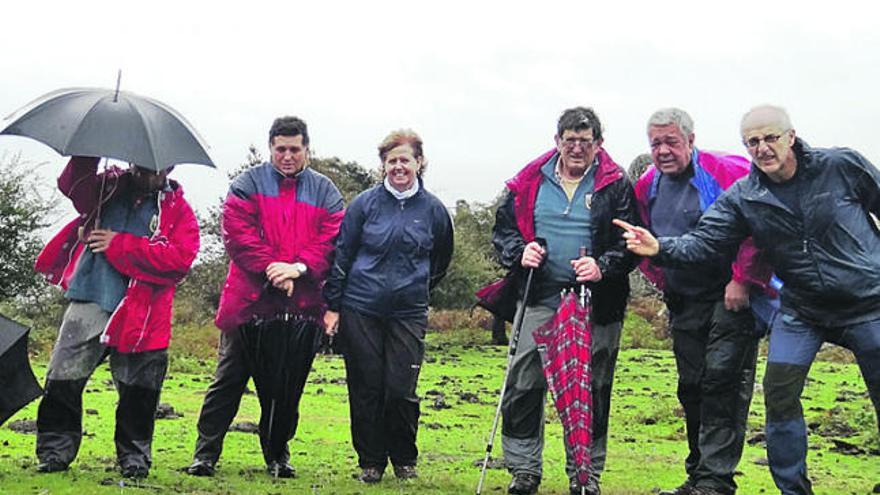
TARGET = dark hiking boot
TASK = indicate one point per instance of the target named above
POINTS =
(524, 484)
(591, 488)
(405, 472)
(278, 469)
(51, 466)
(134, 471)
(370, 475)
(686, 488)
(200, 467)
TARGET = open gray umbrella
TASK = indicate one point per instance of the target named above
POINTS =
(112, 124)
(17, 380)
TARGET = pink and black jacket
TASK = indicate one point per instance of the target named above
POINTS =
(612, 198)
(268, 217)
(154, 265)
(714, 173)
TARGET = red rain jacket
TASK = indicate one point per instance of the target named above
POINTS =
(268, 217)
(154, 265)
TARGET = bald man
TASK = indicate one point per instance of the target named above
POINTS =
(810, 210)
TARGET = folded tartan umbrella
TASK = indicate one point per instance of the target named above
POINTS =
(564, 344)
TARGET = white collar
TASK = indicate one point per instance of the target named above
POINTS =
(400, 195)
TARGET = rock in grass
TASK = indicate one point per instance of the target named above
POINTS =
(846, 448)
(166, 411)
(757, 438)
(439, 403)
(245, 427)
(23, 426)
(494, 463)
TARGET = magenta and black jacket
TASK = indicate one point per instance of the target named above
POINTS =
(714, 173)
(612, 198)
(268, 217)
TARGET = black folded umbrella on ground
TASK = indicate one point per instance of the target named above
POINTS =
(17, 380)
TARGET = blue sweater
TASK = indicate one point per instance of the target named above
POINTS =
(95, 279)
(389, 254)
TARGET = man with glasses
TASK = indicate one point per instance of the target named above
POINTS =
(713, 330)
(568, 196)
(812, 212)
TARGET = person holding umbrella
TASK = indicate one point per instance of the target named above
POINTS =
(568, 196)
(119, 261)
(279, 223)
(394, 246)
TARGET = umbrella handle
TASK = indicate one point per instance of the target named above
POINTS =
(583, 292)
(101, 196)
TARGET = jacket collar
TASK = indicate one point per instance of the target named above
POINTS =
(280, 176)
(607, 171)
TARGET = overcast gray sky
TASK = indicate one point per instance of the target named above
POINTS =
(482, 82)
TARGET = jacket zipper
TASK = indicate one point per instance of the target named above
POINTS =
(805, 241)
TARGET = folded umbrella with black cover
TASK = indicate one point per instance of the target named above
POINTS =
(17, 381)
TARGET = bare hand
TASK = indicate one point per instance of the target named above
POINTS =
(280, 271)
(533, 255)
(331, 323)
(285, 286)
(99, 240)
(638, 240)
(586, 269)
(736, 296)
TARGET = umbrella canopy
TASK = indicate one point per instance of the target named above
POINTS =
(110, 123)
(17, 380)
(564, 344)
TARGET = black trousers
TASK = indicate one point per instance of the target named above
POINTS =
(278, 355)
(383, 358)
(715, 352)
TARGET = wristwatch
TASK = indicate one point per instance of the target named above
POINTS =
(301, 268)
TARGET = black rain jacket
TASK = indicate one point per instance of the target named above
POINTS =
(828, 257)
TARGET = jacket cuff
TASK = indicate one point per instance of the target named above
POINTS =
(740, 278)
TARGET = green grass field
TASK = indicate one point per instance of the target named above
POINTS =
(458, 387)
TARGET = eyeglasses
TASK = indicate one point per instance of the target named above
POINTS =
(754, 142)
(570, 143)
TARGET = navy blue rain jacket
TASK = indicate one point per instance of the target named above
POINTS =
(828, 257)
(390, 253)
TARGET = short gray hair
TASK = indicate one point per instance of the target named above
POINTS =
(779, 114)
(672, 115)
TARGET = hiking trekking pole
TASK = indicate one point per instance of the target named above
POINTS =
(514, 339)
(583, 297)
